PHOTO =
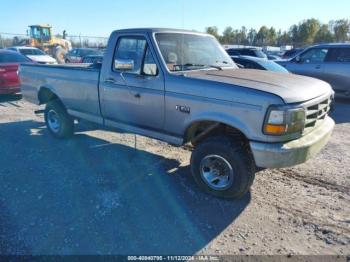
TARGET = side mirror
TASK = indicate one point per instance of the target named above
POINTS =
(124, 64)
(297, 59)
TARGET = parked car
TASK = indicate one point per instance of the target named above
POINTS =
(92, 59)
(9, 80)
(292, 53)
(76, 55)
(273, 57)
(181, 87)
(328, 62)
(255, 52)
(250, 62)
(34, 54)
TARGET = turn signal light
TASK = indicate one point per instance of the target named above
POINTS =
(275, 129)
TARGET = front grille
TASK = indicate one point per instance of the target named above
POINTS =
(317, 113)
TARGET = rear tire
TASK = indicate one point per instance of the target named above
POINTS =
(223, 167)
(58, 122)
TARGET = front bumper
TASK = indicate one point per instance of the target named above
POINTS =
(277, 155)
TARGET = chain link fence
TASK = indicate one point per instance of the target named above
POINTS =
(88, 41)
(78, 41)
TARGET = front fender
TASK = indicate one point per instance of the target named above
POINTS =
(223, 118)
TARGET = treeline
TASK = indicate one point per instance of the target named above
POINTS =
(307, 32)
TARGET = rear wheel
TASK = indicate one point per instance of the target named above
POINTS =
(223, 167)
(58, 122)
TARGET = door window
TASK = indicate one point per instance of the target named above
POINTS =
(149, 65)
(315, 55)
(46, 34)
(339, 55)
(135, 56)
(131, 50)
(35, 33)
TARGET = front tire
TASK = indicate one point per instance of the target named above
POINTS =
(60, 54)
(223, 167)
(58, 122)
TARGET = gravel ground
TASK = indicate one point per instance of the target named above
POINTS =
(98, 194)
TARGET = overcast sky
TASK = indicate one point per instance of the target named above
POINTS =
(100, 17)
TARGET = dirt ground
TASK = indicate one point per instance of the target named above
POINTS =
(98, 194)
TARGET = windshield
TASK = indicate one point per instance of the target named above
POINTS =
(272, 66)
(31, 51)
(183, 52)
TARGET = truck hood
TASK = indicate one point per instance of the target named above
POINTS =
(291, 88)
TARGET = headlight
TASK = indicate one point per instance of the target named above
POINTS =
(281, 121)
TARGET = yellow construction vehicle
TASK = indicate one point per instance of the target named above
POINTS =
(41, 37)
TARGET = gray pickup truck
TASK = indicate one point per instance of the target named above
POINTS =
(181, 87)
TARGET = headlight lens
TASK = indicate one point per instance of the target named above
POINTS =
(276, 117)
(281, 121)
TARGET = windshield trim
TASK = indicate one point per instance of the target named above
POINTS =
(187, 33)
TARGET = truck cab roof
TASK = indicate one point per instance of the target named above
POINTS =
(156, 30)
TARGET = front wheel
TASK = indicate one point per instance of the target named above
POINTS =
(223, 167)
(60, 54)
(58, 122)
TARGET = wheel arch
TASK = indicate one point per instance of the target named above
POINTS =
(200, 129)
(46, 95)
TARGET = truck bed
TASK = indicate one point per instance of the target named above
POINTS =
(76, 85)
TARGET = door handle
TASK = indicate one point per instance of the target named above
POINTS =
(110, 80)
(137, 95)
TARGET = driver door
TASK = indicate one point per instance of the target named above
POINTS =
(133, 90)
